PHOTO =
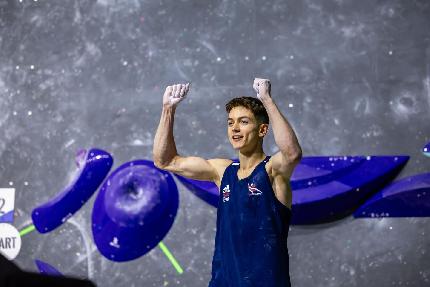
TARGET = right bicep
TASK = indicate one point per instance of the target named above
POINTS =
(193, 167)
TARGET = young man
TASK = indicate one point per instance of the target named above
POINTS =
(254, 207)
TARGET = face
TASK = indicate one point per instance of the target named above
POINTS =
(244, 132)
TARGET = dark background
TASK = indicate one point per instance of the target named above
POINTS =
(352, 77)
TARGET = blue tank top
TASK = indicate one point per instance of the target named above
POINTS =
(252, 230)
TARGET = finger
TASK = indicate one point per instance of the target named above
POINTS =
(263, 83)
(173, 91)
(172, 94)
(182, 91)
(177, 90)
(187, 88)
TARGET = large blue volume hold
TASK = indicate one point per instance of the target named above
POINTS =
(325, 188)
(134, 210)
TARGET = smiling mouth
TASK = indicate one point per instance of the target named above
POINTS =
(237, 138)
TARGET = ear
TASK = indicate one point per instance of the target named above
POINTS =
(263, 130)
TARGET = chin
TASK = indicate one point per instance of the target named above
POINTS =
(236, 147)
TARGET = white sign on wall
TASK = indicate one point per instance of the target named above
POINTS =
(7, 204)
(10, 241)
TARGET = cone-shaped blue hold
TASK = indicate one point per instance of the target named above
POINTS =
(56, 211)
(205, 190)
(408, 197)
(45, 268)
(134, 210)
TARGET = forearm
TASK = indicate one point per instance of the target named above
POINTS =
(164, 149)
(285, 137)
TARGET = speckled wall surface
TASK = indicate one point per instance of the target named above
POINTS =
(352, 77)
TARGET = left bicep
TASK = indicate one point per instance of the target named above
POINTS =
(283, 165)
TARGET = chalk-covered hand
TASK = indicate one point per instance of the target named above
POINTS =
(262, 88)
(175, 94)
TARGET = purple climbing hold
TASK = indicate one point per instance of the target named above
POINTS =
(7, 217)
(407, 197)
(332, 193)
(134, 210)
(56, 211)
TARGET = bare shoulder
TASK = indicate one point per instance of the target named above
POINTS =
(220, 164)
(282, 165)
(280, 176)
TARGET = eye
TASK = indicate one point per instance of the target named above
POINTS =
(229, 123)
(245, 122)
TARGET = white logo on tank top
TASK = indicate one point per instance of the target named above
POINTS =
(253, 190)
(226, 193)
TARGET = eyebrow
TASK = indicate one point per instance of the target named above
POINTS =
(244, 117)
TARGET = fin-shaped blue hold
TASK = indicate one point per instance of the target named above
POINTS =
(56, 211)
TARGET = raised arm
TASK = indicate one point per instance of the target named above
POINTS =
(165, 155)
(290, 152)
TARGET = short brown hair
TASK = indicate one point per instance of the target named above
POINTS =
(251, 103)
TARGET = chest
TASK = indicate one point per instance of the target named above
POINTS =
(280, 187)
(241, 175)
(243, 186)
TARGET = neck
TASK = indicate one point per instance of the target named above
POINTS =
(250, 160)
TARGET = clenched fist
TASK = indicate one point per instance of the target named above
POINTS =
(262, 88)
(174, 94)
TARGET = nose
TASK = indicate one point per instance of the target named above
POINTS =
(235, 127)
